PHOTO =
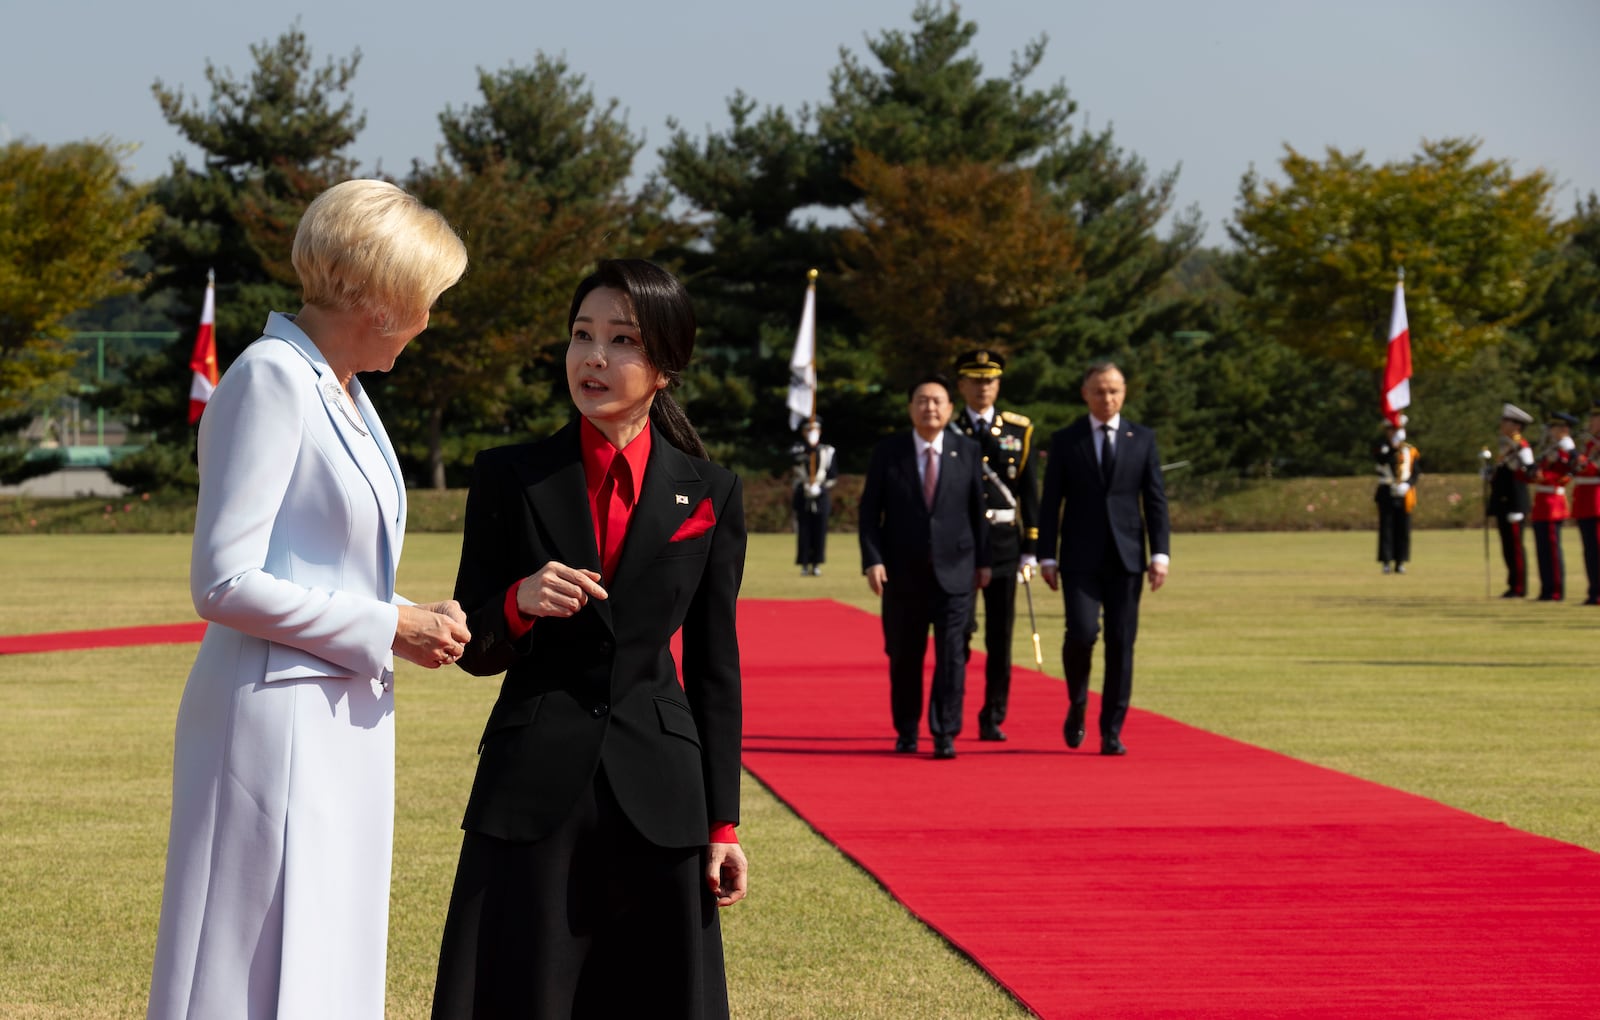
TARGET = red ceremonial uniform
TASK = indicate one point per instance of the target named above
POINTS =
(1548, 481)
(1548, 478)
(1586, 514)
(1586, 481)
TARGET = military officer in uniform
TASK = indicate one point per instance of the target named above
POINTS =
(1508, 496)
(1396, 496)
(1552, 469)
(816, 471)
(1586, 503)
(1012, 500)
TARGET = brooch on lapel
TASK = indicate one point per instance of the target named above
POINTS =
(680, 499)
(334, 394)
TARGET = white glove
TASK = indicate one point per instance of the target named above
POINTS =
(1566, 443)
(1525, 456)
(1401, 488)
(813, 491)
(1514, 518)
(1027, 567)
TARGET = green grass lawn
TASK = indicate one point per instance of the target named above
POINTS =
(1294, 642)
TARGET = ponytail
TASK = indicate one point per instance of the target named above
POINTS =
(668, 415)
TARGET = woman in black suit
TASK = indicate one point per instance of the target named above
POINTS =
(599, 832)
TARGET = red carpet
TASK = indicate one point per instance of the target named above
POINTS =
(114, 637)
(1197, 877)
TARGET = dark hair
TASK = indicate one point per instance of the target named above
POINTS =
(932, 377)
(666, 329)
(1100, 368)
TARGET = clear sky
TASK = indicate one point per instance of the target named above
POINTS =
(1215, 86)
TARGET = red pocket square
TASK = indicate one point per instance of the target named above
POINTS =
(698, 523)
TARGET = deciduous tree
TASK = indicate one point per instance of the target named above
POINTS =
(945, 258)
(70, 228)
(1323, 248)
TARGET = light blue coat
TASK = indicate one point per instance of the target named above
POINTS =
(277, 883)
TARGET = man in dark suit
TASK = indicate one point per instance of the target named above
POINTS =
(1012, 498)
(1103, 499)
(924, 549)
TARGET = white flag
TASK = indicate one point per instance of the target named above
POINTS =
(802, 366)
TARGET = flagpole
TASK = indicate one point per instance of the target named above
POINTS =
(811, 421)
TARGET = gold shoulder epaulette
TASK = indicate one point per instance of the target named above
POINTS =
(1014, 418)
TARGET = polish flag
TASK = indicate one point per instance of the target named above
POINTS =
(1397, 368)
(204, 359)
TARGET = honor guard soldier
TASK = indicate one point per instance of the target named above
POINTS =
(815, 472)
(1552, 469)
(1508, 496)
(1396, 496)
(1586, 503)
(1013, 509)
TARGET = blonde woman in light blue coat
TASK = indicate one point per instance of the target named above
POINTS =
(277, 884)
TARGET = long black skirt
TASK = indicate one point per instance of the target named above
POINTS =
(591, 921)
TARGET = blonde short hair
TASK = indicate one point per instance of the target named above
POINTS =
(368, 245)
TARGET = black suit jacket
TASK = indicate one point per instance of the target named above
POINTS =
(899, 531)
(1082, 522)
(601, 687)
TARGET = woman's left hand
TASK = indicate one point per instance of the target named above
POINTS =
(450, 608)
(727, 873)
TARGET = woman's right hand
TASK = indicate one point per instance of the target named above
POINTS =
(557, 590)
(431, 638)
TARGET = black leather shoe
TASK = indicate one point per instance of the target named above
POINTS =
(944, 747)
(1073, 728)
(1112, 746)
(989, 731)
(1509, 594)
(905, 745)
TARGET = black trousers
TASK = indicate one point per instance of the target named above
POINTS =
(592, 921)
(912, 603)
(1589, 532)
(1394, 530)
(1552, 565)
(1515, 552)
(999, 621)
(1115, 592)
(811, 529)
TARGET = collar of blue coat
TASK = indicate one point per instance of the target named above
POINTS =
(348, 415)
(283, 327)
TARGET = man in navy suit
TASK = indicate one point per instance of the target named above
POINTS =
(1103, 501)
(925, 551)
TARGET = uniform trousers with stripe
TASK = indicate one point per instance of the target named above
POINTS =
(1552, 566)
(1515, 553)
(1589, 532)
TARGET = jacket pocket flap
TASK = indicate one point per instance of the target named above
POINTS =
(285, 662)
(519, 713)
(677, 720)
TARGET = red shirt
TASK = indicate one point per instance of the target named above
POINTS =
(1586, 482)
(598, 455)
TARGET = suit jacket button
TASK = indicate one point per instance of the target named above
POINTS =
(600, 710)
(605, 648)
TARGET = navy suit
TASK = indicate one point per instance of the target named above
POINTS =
(599, 774)
(1097, 533)
(931, 557)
